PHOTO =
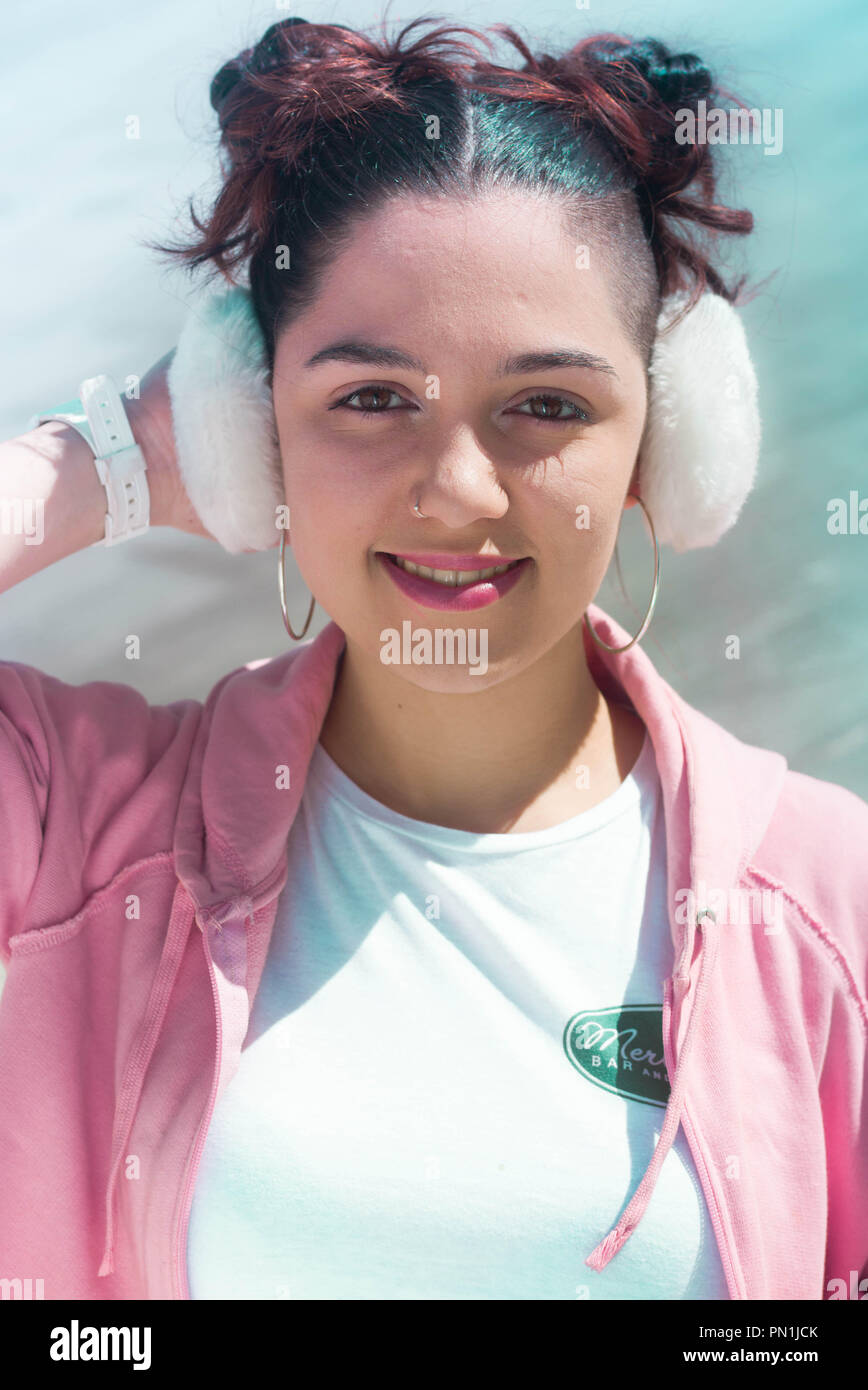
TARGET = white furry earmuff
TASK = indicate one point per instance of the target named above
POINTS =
(697, 459)
(223, 419)
(699, 452)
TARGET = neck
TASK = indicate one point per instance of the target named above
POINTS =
(500, 759)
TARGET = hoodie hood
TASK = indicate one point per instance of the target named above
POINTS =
(243, 787)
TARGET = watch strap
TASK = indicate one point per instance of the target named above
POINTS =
(100, 419)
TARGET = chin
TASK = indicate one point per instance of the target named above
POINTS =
(445, 680)
(447, 660)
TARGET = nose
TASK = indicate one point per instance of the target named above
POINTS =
(462, 485)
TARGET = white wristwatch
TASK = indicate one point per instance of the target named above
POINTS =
(101, 420)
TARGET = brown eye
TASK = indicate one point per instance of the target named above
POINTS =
(373, 397)
(365, 394)
(551, 407)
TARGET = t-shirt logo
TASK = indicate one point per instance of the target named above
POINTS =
(621, 1049)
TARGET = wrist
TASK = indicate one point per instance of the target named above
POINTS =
(75, 516)
(99, 416)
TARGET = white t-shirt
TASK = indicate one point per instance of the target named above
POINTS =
(453, 1078)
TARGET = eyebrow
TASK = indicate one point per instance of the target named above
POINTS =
(378, 355)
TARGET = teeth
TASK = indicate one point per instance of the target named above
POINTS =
(452, 577)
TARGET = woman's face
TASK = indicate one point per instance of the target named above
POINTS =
(422, 322)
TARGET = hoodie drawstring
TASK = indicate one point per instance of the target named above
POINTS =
(635, 1209)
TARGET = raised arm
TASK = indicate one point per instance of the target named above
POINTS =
(52, 502)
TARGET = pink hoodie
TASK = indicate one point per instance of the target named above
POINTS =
(123, 824)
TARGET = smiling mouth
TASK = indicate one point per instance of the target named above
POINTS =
(451, 579)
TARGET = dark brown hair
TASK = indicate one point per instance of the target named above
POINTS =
(320, 124)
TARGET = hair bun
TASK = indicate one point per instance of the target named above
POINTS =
(675, 77)
(222, 83)
(272, 48)
(276, 47)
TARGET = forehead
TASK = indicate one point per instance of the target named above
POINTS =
(469, 274)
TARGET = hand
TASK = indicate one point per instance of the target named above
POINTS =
(150, 419)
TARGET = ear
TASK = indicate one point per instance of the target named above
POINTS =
(634, 486)
(223, 419)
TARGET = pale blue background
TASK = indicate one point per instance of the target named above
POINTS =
(81, 296)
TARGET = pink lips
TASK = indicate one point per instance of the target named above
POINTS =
(463, 598)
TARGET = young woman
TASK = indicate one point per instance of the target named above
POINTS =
(412, 965)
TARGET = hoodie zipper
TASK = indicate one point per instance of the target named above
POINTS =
(713, 1208)
(137, 1066)
(182, 1287)
(192, 1168)
(266, 891)
(690, 1131)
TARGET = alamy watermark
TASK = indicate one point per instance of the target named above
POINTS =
(76, 1343)
(440, 646)
(736, 907)
(847, 519)
(12, 518)
(21, 1288)
(854, 1287)
(735, 125)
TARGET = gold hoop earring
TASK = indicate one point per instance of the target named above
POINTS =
(281, 583)
(647, 619)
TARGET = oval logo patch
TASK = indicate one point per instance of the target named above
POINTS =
(621, 1049)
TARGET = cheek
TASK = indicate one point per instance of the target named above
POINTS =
(571, 506)
(334, 510)
(338, 473)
